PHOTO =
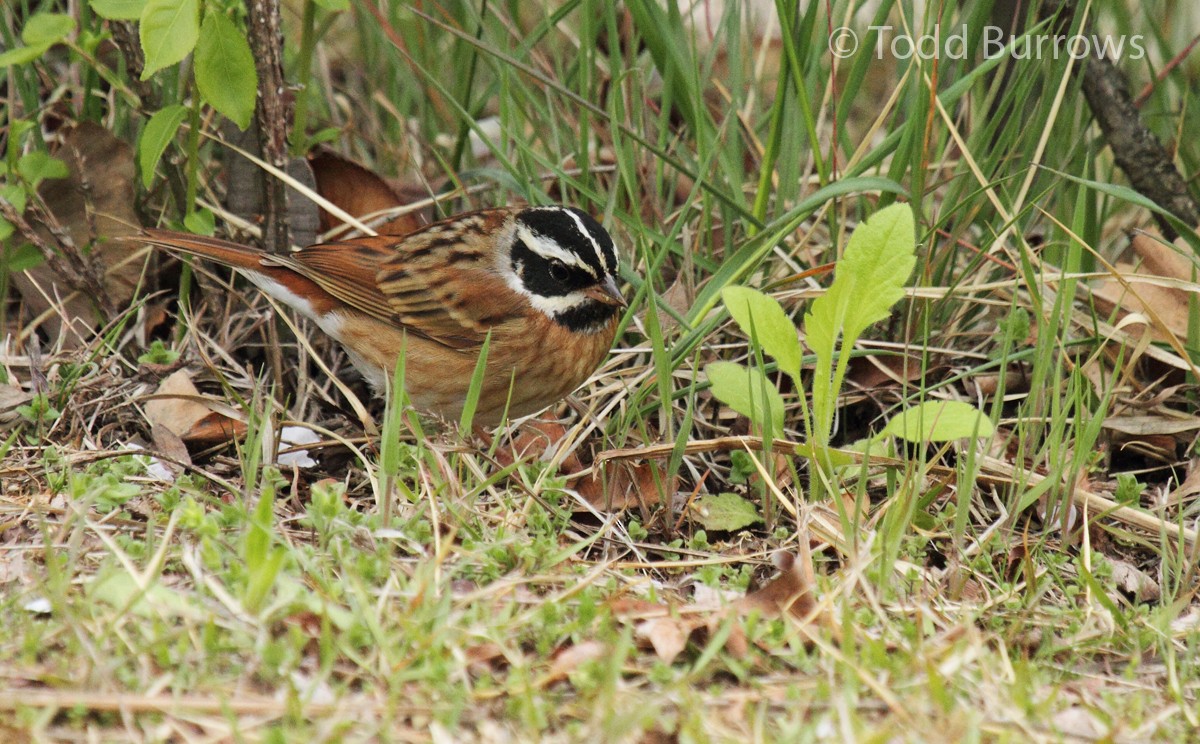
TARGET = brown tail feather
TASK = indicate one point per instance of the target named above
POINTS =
(268, 272)
(221, 251)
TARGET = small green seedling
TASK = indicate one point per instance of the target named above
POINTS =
(870, 280)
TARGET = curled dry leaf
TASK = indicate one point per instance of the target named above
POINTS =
(667, 631)
(618, 485)
(179, 407)
(94, 204)
(1134, 582)
(361, 192)
(11, 398)
(568, 659)
(1170, 304)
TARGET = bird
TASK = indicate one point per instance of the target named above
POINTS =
(541, 281)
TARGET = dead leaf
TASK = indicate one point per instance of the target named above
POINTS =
(666, 635)
(179, 407)
(94, 204)
(167, 442)
(791, 592)
(1156, 258)
(1140, 426)
(11, 398)
(361, 192)
(570, 658)
(1190, 486)
(1134, 582)
(620, 485)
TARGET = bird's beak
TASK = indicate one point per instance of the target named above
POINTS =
(610, 293)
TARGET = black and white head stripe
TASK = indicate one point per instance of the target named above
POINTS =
(568, 235)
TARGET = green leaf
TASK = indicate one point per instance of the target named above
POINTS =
(225, 70)
(333, 5)
(748, 392)
(119, 10)
(939, 421)
(6, 230)
(38, 165)
(22, 55)
(868, 280)
(169, 29)
(47, 29)
(201, 222)
(21, 258)
(159, 132)
(119, 590)
(14, 194)
(761, 318)
(724, 511)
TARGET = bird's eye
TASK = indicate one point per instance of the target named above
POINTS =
(559, 272)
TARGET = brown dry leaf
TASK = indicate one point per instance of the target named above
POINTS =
(1190, 486)
(668, 636)
(361, 192)
(11, 398)
(619, 485)
(96, 202)
(569, 659)
(538, 440)
(1134, 581)
(167, 442)
(181, 410)
(1170, 304)
(789, 592)
(878, 370)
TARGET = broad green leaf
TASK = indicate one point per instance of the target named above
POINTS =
(37, 166)
(868, 280)
(119, 590)
(761, 318)
(748, 392)
(119, 10)
(15, 195)
(47, 29)
(225, 70)
(333, 4)
(22, 55)
(724, 511)
(159, 132)
(939, 421)
(6, 230)
(169, 29)
(21, 258)
(201, 222)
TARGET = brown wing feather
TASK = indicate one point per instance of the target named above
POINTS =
(442, 280)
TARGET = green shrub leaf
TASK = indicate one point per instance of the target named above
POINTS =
(159, 132)
(939, 421)
(724, 511)
(761, 318)
(169, 29)
(749, 392)
(225, 70)
(47, 29)
(37, 166)
(41, 32)
(119, 10)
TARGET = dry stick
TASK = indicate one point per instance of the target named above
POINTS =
(273, 114)
(80, 274)
(1135, 148)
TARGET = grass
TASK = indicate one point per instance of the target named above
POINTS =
(424, 583)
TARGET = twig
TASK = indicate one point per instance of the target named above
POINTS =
(272, 112)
